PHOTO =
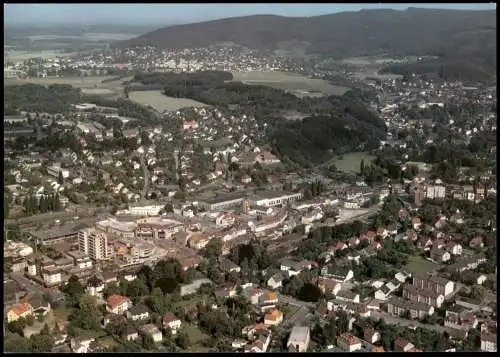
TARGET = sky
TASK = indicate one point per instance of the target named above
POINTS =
(166, 14)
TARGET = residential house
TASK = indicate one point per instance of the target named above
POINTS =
(39, 306)
(261, 342)
(382, 232)
(81, 344)
(341, 274)
(227, 266)
(328, 285)
(153, 331)
(427, 296)
(348, 342)
(269, 297)
(464, 320)
(454, 248)
(416, 223)
(171, 321)
(476, 242)
(252, 331)
(118, 304)
(299, 339)
(370, 335)
(488, 342)
(424, 243)
(440, 255)
(138, 312)
(275, 281)
(95, 286)
(418, 310)
(21, 309)
(348, 296)
(130, 334)
(402, 276)
(198, 240)
(274, 317)
(225, 293)
(457, 218)
(401, 345)
(467, 263)
(382, 293)
(353, 242)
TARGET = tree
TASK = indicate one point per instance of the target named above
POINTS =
(147, 275)
(111, 289)
(137, 289)
(16, 344)
(45, 330)
(41, 343)
(87, 316)
(147, 341)
(213, 249)
(182, 340)
(60, 179)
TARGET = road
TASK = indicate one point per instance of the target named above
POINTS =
(292, 301)
(299, 317)
(146, 177)
(393, 320)
(26, 283)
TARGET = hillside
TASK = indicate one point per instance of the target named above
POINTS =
(413, 31)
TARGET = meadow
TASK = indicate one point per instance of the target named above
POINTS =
(295, 83)
(351, 162)
(91, 85)
(18, 56)
(161, 102)
(419, 265)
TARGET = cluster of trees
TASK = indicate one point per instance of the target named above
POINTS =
(457, 70)
(55, 98)
(41, 342)
(32, 205)
(313, 189)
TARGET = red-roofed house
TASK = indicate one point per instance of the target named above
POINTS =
(340, 246)
(171, 321)
(401, 345)
(348, 342)
(371, 335)
(354, 241)
(22, 309)
(382, 232)
(118, 304)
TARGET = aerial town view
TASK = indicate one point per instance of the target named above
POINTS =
(250, 178)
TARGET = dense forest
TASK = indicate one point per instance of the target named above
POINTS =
(53, 99)
(333, 125)
(456, 70)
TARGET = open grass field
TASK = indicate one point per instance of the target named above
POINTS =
(295, 83)
(194, 333)
(351, 162)
(417, 264)
(17, 56)
(161, 102)
(91, 85)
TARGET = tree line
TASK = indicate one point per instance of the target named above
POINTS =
(46, 203)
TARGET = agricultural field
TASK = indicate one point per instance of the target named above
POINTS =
(419, 265)
(295, 83)
(351, 162)
(91, 85)
(18, 56)
(161, 102)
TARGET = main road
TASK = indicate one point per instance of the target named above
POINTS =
(26, 283)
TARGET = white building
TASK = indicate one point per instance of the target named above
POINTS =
(348, 342)
(55, 170)
(52, 275)
(299, 339)
(93, 243)
(272, 199)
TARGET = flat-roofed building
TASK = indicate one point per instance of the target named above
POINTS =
(117, 228)
(272, 199)
(56, 235)
(223, 202)
(94, 243)
(157, 228)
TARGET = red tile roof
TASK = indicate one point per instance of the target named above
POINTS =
(169, 317)
(116, 300)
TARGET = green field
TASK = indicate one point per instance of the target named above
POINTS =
(295, 83)
(91, 85)
(351, 162)
(18, 56)
(161, 102)
(419, 265)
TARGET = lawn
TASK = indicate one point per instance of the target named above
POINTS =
(289, 311)
(419, 265)
(196, 336)
(295, 83)
(351, 162)
(161, 102)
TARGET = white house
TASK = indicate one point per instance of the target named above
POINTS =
(348, 342)
(171, 321)
(118, 304)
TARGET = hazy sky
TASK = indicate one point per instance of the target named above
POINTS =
(185, 13)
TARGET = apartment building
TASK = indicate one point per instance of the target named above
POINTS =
(427, 296)
(418, 310)
(93, 243)
(435, 283)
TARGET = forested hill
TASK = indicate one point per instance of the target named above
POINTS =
(333, 125)
(413, 31)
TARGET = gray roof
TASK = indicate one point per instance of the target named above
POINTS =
(298, 333)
